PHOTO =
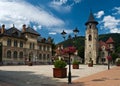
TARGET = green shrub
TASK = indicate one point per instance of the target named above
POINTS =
(60, 64)
(118, 61)
(75, 62)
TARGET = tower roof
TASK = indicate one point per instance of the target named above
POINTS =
(91, 19)
(109, 41)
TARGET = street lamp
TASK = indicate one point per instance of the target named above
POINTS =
(69, 37)
(63, 34)
(109, 58)
(75, 31)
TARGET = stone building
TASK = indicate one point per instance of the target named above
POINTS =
(105, 49)
(95, 50)
(18, 46)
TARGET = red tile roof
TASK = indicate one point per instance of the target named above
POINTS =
(103, 44)
(110, 40)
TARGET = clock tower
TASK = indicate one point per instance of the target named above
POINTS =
(91, 40)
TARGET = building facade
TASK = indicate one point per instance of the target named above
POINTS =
(18, 46)
(105, 49)
(95, 50)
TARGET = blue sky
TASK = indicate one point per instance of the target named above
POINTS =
(51, 17)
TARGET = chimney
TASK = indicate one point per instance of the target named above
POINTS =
(24, 28)
(3, 29)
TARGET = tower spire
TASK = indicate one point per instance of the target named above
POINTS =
(91, 19)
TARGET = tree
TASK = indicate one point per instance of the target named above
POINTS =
(81, 52)
(114, 56)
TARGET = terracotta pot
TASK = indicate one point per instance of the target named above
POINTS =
(60, 72)
(30, 64)
(75, 66)
(90, 65)
(118, 64)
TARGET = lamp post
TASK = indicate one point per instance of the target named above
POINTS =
(75, 31)
(69, 37)
(63, 34)
(109, 58)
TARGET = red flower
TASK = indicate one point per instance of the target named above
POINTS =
(109, 58)
(69, 50)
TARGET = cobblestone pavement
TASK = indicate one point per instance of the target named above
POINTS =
(41, 75)
(105, 78)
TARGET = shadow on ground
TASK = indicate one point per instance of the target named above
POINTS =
(74, 84)
(26, 78)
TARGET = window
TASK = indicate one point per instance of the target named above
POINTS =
(15, 34)
(8, 54)
(48, 56)
(48, 48)
(40, 56)
(9, 42)
(21, 55)
(44, 56)
(15, 54)
(89, 37)
(32, 45)
(40, 47)
(21, 43)
(90, 26)
(44, 48)
(15, 43)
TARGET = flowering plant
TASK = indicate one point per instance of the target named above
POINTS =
(118, 61)
(109, 58)
(69, 50)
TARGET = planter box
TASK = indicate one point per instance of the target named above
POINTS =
(30, 64)
(60, 72)
(90, 65)
(75, 66)
(118, 64)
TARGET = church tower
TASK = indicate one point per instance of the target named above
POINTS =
(91, 40)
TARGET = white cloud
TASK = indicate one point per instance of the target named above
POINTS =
(19, 12)
(63, 6)
(117, 9)
(111, 23)
(77, 1)
(59, 5)
(99, 14)
(60, 29)
(59, 2)
(52, 33)
(115, 30)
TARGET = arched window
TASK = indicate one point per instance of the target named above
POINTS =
(48, 56)
(89, 37)
(21, 55)
(90, 26)
(30, 56)
(44, 56)
(8, 54)
(15, 54)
